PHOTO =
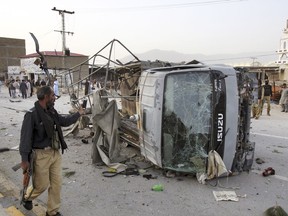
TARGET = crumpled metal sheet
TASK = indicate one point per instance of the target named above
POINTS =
(216, 166)
(106, 146)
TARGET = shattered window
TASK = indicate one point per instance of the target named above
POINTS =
(186, 120)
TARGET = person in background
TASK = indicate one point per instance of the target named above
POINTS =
(23, 89)
(17, 87)
(93, 84)
(8, 84)
(266, 96)
(12, 88)
(28, 84)
(259, 100)
(32, 84)
(42, 137)
(87, 89)
(56, 87)
(284, 98)
(38, 82)
(255, 100)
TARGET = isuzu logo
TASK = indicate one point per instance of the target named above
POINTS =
(220, 122)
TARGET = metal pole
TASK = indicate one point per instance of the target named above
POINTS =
(63, 32)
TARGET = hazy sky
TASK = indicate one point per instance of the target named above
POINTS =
(186, 26)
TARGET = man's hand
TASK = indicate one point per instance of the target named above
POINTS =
(25, 166)
(81, 110)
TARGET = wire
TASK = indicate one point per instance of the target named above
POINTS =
(167, 6)
(190, 4)
(243, 57)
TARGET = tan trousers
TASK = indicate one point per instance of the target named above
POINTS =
(267, 99)
(47, 174)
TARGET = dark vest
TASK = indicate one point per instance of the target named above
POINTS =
(267, 90)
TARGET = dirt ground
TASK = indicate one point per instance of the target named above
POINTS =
(87, 192)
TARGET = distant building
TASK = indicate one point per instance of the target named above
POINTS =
(283, 55)
(10, 51)
(16, 64)
(57, 62)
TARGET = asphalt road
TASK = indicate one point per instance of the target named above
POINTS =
(87, 192)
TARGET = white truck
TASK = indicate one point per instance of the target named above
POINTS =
(188, 110)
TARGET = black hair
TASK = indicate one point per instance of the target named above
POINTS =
(42, 91)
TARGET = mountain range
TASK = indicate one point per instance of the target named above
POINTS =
(240, 59)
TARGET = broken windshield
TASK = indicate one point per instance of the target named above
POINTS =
(186, 120)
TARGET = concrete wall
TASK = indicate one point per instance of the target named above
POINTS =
(11, 50)
(61, 63)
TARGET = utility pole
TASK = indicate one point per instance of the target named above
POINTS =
(63, 32)
(253, 63)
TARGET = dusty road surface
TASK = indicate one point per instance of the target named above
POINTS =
(86, 192)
